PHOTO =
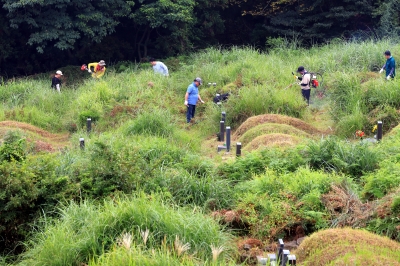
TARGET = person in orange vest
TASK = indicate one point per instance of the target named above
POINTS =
(98, 69)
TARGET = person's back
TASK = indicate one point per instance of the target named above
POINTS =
(159, 67)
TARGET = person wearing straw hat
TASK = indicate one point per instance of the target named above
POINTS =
(98, 69)
(192, 96)
(56, 81)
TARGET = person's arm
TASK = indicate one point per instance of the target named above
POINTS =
(186, 98)
(391, 66)
(200, 99)
(92, 65)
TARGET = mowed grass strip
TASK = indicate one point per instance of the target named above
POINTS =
(270, 128)
(275, 118)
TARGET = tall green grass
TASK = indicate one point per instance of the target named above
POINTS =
(86, 231)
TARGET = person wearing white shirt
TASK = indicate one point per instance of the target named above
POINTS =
(159, 67)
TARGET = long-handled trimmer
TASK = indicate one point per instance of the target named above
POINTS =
(84, 67)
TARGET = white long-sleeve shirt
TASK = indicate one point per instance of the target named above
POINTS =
(161, 68)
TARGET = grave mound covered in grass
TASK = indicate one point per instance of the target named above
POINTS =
(40, 140)
(278, 119)
(273, 140)
(348, 247)
(271, 128)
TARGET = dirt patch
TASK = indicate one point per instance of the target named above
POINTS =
(347, 247)
(273, 140)
(279, 119)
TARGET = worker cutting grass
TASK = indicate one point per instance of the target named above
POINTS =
(389, 66)
(98, 69)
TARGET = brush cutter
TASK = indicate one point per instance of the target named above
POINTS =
(84, 67)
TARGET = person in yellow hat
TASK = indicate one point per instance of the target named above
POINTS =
(98, 69)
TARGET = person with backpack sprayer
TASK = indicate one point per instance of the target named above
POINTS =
(305, 81)
(389, 66)
(98, 69)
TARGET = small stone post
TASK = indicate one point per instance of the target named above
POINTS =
(82, 143)
(292, 259)
(280, 250)
(379, 134)
(228, 139)
(221, 130)
(284, 260)
(223, 116)
(89, 125)
(238, 149)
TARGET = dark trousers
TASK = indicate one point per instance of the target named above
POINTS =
(306, 95)
(190, 112)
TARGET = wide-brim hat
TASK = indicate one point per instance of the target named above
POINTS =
(102, 63)
(58, 72)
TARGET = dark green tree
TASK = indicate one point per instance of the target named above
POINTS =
(389, 23)
(61, 23)
(316, 20)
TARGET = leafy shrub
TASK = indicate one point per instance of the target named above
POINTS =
(93, 114)
(396, 206)
(156, 123)
(13, 147)
(387, 227)
(207, 191)
(332, 154)
(380, 182)
(274, 204)
(26, 189)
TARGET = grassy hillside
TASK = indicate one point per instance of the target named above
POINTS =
(143, 167)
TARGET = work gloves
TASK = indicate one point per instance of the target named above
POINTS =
(202, 101)
(380, 71)
(388, 77)
(90, 71)
(186, 103)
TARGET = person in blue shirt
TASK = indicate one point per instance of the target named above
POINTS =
(192, 96)
(159, 67)
(389, 66)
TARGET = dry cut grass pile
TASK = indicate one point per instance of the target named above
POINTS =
(348, 247)
(272, 140)
(278, 119)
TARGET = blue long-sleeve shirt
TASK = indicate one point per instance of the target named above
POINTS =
(390, 67)
(161, 68)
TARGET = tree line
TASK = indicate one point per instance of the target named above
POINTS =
(37, 35)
